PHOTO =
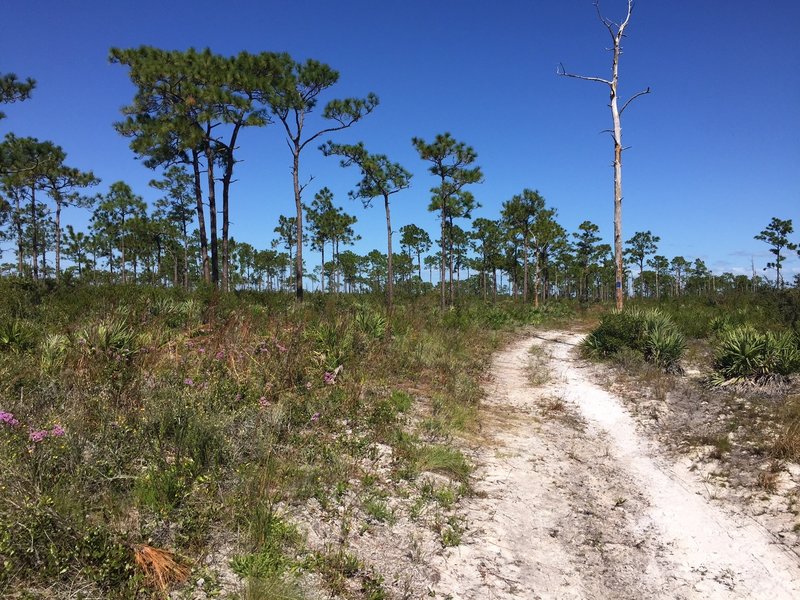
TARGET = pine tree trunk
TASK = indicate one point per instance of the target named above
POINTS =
(122, 248)
(444, 249)
(298, 266)
(212, 213)
(34, 238)
(226, 184)
(525, 270)
(322, 269)
(20, 244)
(58, 238)
(390, 271)
(201, 219)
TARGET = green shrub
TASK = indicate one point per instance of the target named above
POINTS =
(370, 322)
(53, 352)
(55, 546)
(744, 354)
(16, 336)
(650, 333)
(110, 338)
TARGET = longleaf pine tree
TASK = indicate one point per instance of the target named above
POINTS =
(453, 163)
(379, 177)
(292, 100)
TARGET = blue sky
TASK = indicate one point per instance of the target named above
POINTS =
(714, 150)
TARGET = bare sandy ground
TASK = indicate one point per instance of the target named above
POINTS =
(573, 502)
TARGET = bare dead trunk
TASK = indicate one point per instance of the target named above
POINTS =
(617, 33)
(617, 187)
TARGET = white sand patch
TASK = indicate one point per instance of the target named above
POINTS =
(572, 502)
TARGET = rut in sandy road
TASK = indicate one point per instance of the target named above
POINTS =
(573, 503)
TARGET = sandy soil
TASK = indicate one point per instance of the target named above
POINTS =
(574, 502)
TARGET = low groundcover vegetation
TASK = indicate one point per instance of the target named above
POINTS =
(140, 428)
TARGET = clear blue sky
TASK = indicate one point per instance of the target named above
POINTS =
(715, 149)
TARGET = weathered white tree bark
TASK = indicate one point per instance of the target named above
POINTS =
(617, 32)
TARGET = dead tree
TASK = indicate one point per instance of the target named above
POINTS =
(617, 31)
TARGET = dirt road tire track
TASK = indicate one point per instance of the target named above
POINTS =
(572, 502)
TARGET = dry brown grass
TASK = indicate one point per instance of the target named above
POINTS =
(159, 567)
(787, 445)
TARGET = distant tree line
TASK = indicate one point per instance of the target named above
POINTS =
(187, 120)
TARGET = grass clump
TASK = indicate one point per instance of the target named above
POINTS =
(443, 459)
(648, 333)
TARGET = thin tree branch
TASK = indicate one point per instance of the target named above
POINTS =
(606, 22)
(561, 71)
(632, 98)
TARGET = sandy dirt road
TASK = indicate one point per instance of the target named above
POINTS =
(573, 502)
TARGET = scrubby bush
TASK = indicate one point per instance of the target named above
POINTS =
(649, 333)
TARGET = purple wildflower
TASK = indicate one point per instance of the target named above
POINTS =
(57, 431)
(189, 381)
(37, 436)
(8, 419)
(201, 350)
(329, 378)
(315, 417)
(219, 355)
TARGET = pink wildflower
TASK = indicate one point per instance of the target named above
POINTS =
(8, 419)
(57, 431)
(329, 378)
(315, 417)
(189, 381)
(220, 355)
(263, 402)
(201, 350)
(37, 436)
(281, 347)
